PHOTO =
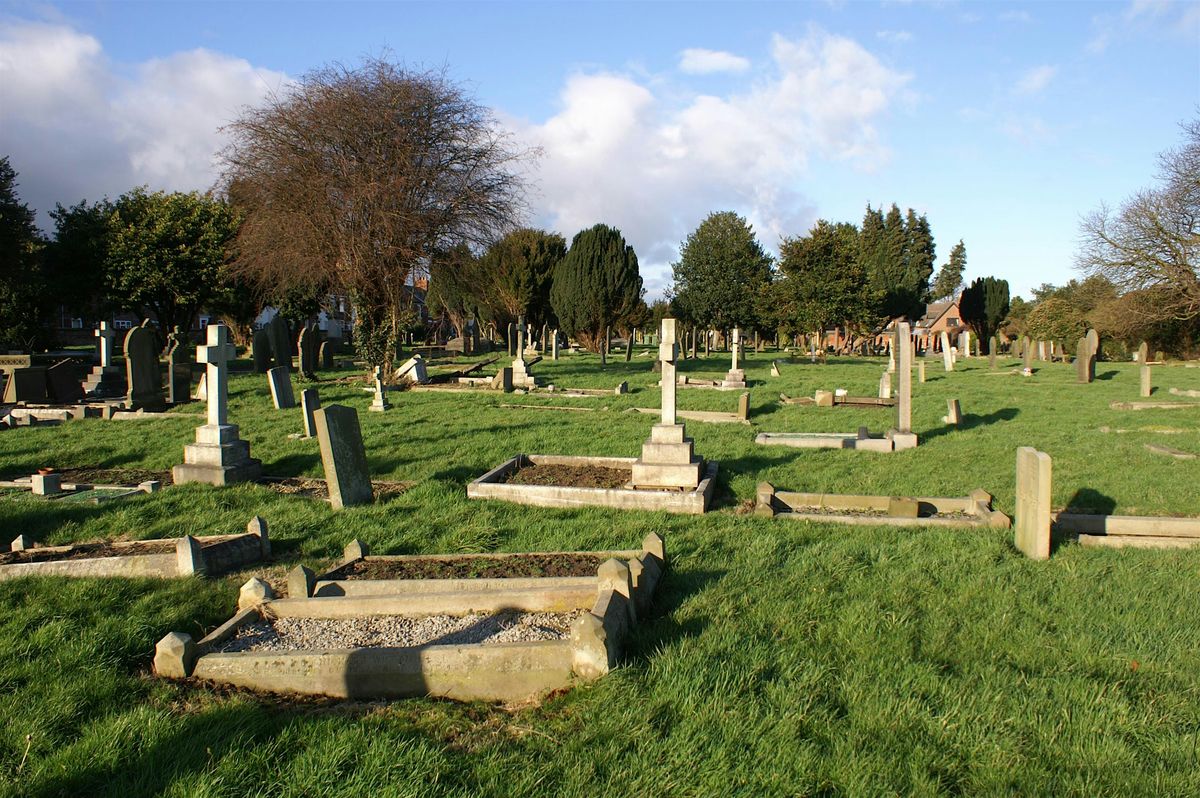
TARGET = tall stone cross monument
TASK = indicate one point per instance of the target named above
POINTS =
(218, 456)
(106, 336)
(105, 379)
(668, 459)
(736, 376)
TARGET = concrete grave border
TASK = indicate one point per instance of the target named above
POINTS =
(202, 556)
(615, 598)
(785, 504)
(489, 486)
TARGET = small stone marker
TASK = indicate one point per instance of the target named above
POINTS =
(903, 507)
(175, 656)
(301, 582)
(744, 406)
(379, 402)
(343, 456)
(46, 484)
(281, 388)
(142, 377)
(1032, 521)
(953, 413)
(1085, 363)
(260, 351)
(554, 345)
(202, 389)
(921, 370)
(774, 369)
(1146, 388)
(310, 402)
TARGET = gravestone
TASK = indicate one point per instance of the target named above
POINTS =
(310, 402)
(668, 459)
(1027, 356)
(744, 406)
(512, 339)
(891, 356)
(1032, 517)
(26, 385)
(1085, 362)
(1093, 340)
(503, 381)
(202, 389)
(281, 344)
(281, 387)
(736, 376)
(218, 457)
(885, 386)
(1146, 389)
(105, 379)
(343, 456)
(63, 383)
(143, 378)
(260, 351)
(325, 354)
(953, 413)
(903, 437)
(179, 368)
(306, 348)
(947, 355)
(554, 345)
(1143, 352)
(921, 370)
(521, 376)
(379, 402)
(992, 347)
(413, 371)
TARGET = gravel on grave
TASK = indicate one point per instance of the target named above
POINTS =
(572, 476)
(379, 631)
(514, 565)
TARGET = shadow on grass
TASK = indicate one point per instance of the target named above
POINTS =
(292, 465)
(1092, 502)
(660, 628)
(972, 421)
(1108, 375)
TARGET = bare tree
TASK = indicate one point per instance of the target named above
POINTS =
(1151, 245)
(355, 177)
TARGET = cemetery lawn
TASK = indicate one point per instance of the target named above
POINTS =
(782, 658)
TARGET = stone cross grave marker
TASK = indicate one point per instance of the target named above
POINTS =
(142, 375)
(1032, 517)
(282, 394)
(380, 401)
(668, 354)
(106, 336)
(343, 456)
(218, 456)
(668, 459)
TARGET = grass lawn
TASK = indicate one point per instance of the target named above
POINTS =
(783, 658)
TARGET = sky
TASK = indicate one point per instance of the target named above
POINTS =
(1004, 123)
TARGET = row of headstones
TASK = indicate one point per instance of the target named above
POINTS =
(272, 346)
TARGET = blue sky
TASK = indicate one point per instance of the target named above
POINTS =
(1003, 122)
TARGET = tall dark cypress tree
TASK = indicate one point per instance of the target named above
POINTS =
(983, 305)
(595, 284)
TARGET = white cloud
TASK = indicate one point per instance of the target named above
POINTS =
(1035, 79)
(653, 160)
(1020, 17)
(78, 126)
(894, 36)
(697, 61)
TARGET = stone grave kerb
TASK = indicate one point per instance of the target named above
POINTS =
(106, 336)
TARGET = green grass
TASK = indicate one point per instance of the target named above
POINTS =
(783, 658)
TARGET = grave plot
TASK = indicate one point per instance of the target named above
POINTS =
(897, 439)
(89, 485)
(742, 416)
(974, 510)
(1036, 525)
(399, 627)
(835, 399)
(668, 476)
(172, 557)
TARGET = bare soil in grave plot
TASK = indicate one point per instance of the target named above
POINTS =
(88, 551)
(570, 476)
(514, 566)
(87, 475)
(318, 489)
(298, 634)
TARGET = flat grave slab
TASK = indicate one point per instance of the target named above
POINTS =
(510, 639)
(1125, 531)
(606, 484)
(826, 440)
(166, 558)
(974, 510)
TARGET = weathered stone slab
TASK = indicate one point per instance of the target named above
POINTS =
(310, 402)
(26, 385)
(1032, 520)
(64, 382)
(142, 374)
(281, 344)
(343, 456)
(281, 388)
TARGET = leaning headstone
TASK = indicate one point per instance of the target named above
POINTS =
(281, 388)
(1093, 340)
(202, 389)
(1032, 517)
(343, 456)
(281, 344)
(1146, 389)
(310, 402)
(25, 385)
(218, 456)
(413, 371)
(260, 351)
(142, 376)
(953, 413)
(947, 354)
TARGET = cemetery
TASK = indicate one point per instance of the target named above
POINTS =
(431, 328)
